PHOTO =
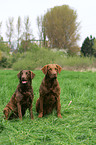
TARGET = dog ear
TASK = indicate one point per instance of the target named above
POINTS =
(59, 68)
(18, 75)
(32, 75)
(44, 69)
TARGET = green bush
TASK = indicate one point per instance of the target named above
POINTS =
(35, 59)
(76, 62)
(5, 60)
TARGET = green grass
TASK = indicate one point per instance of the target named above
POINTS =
(78, 125)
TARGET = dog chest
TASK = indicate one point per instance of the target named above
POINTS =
(50, 99)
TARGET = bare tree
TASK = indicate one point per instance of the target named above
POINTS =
(0, 29)
(41, 28)
(27, 34)
(18, 30)
(39, 24)
(27, 29)
(10, 29)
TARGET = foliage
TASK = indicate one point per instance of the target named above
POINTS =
(36, 58)
(78, 123)
(73, 51)
(5, 61)
(4, 46)
(27, 46)
(76, 63)
(61, 27)
(22, 36)
(4, 54)
(87, 46)
(0, 55)
(94, 47)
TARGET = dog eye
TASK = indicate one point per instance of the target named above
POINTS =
(26, 73)
(55, 68)
(21, 73)
(50, 69)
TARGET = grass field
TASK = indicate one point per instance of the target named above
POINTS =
(78, 125)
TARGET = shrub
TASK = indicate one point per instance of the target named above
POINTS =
(34, 59)
(87, 46)
(37, 59)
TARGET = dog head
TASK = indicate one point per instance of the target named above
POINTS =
(25, 76)
(51, 70)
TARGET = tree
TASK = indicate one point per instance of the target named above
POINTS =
(39, 24)
(0, 28)
(4, 47)
(60, 27)
(27, 35)
(18, 30)
(27, 29)
(10, 29)
(94, 47)
(41, 29)
(87, 46)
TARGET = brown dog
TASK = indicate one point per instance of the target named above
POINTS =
(49, 91)
(22, 98)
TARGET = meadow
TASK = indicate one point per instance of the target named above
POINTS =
(78, 123)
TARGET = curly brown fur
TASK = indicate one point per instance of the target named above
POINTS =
(22, 98)
(49, 91)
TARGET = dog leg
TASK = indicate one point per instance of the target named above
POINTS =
(41, 108)
(58, 107)
(6, 112)
(38, 105)
(31, 113)
(19, 110)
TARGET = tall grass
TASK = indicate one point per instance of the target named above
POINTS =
(35, 59)
(78, 123)
(77, 62)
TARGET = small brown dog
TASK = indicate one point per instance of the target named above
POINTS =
(22, 98)
(49, 91)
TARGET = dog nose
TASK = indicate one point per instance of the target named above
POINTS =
(54, 73)
(23, 77)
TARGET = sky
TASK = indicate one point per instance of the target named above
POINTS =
(86, 12)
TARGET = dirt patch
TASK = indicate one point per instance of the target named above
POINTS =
(89, 69)
(80, 69)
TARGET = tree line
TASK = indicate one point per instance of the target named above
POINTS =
(22, 31)
(58, 28)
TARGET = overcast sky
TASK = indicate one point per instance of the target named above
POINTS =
(86, 11)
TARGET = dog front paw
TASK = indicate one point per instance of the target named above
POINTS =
(40, 115)
(59, 115)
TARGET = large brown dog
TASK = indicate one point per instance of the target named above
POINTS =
(22, 98)
(49, 91)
